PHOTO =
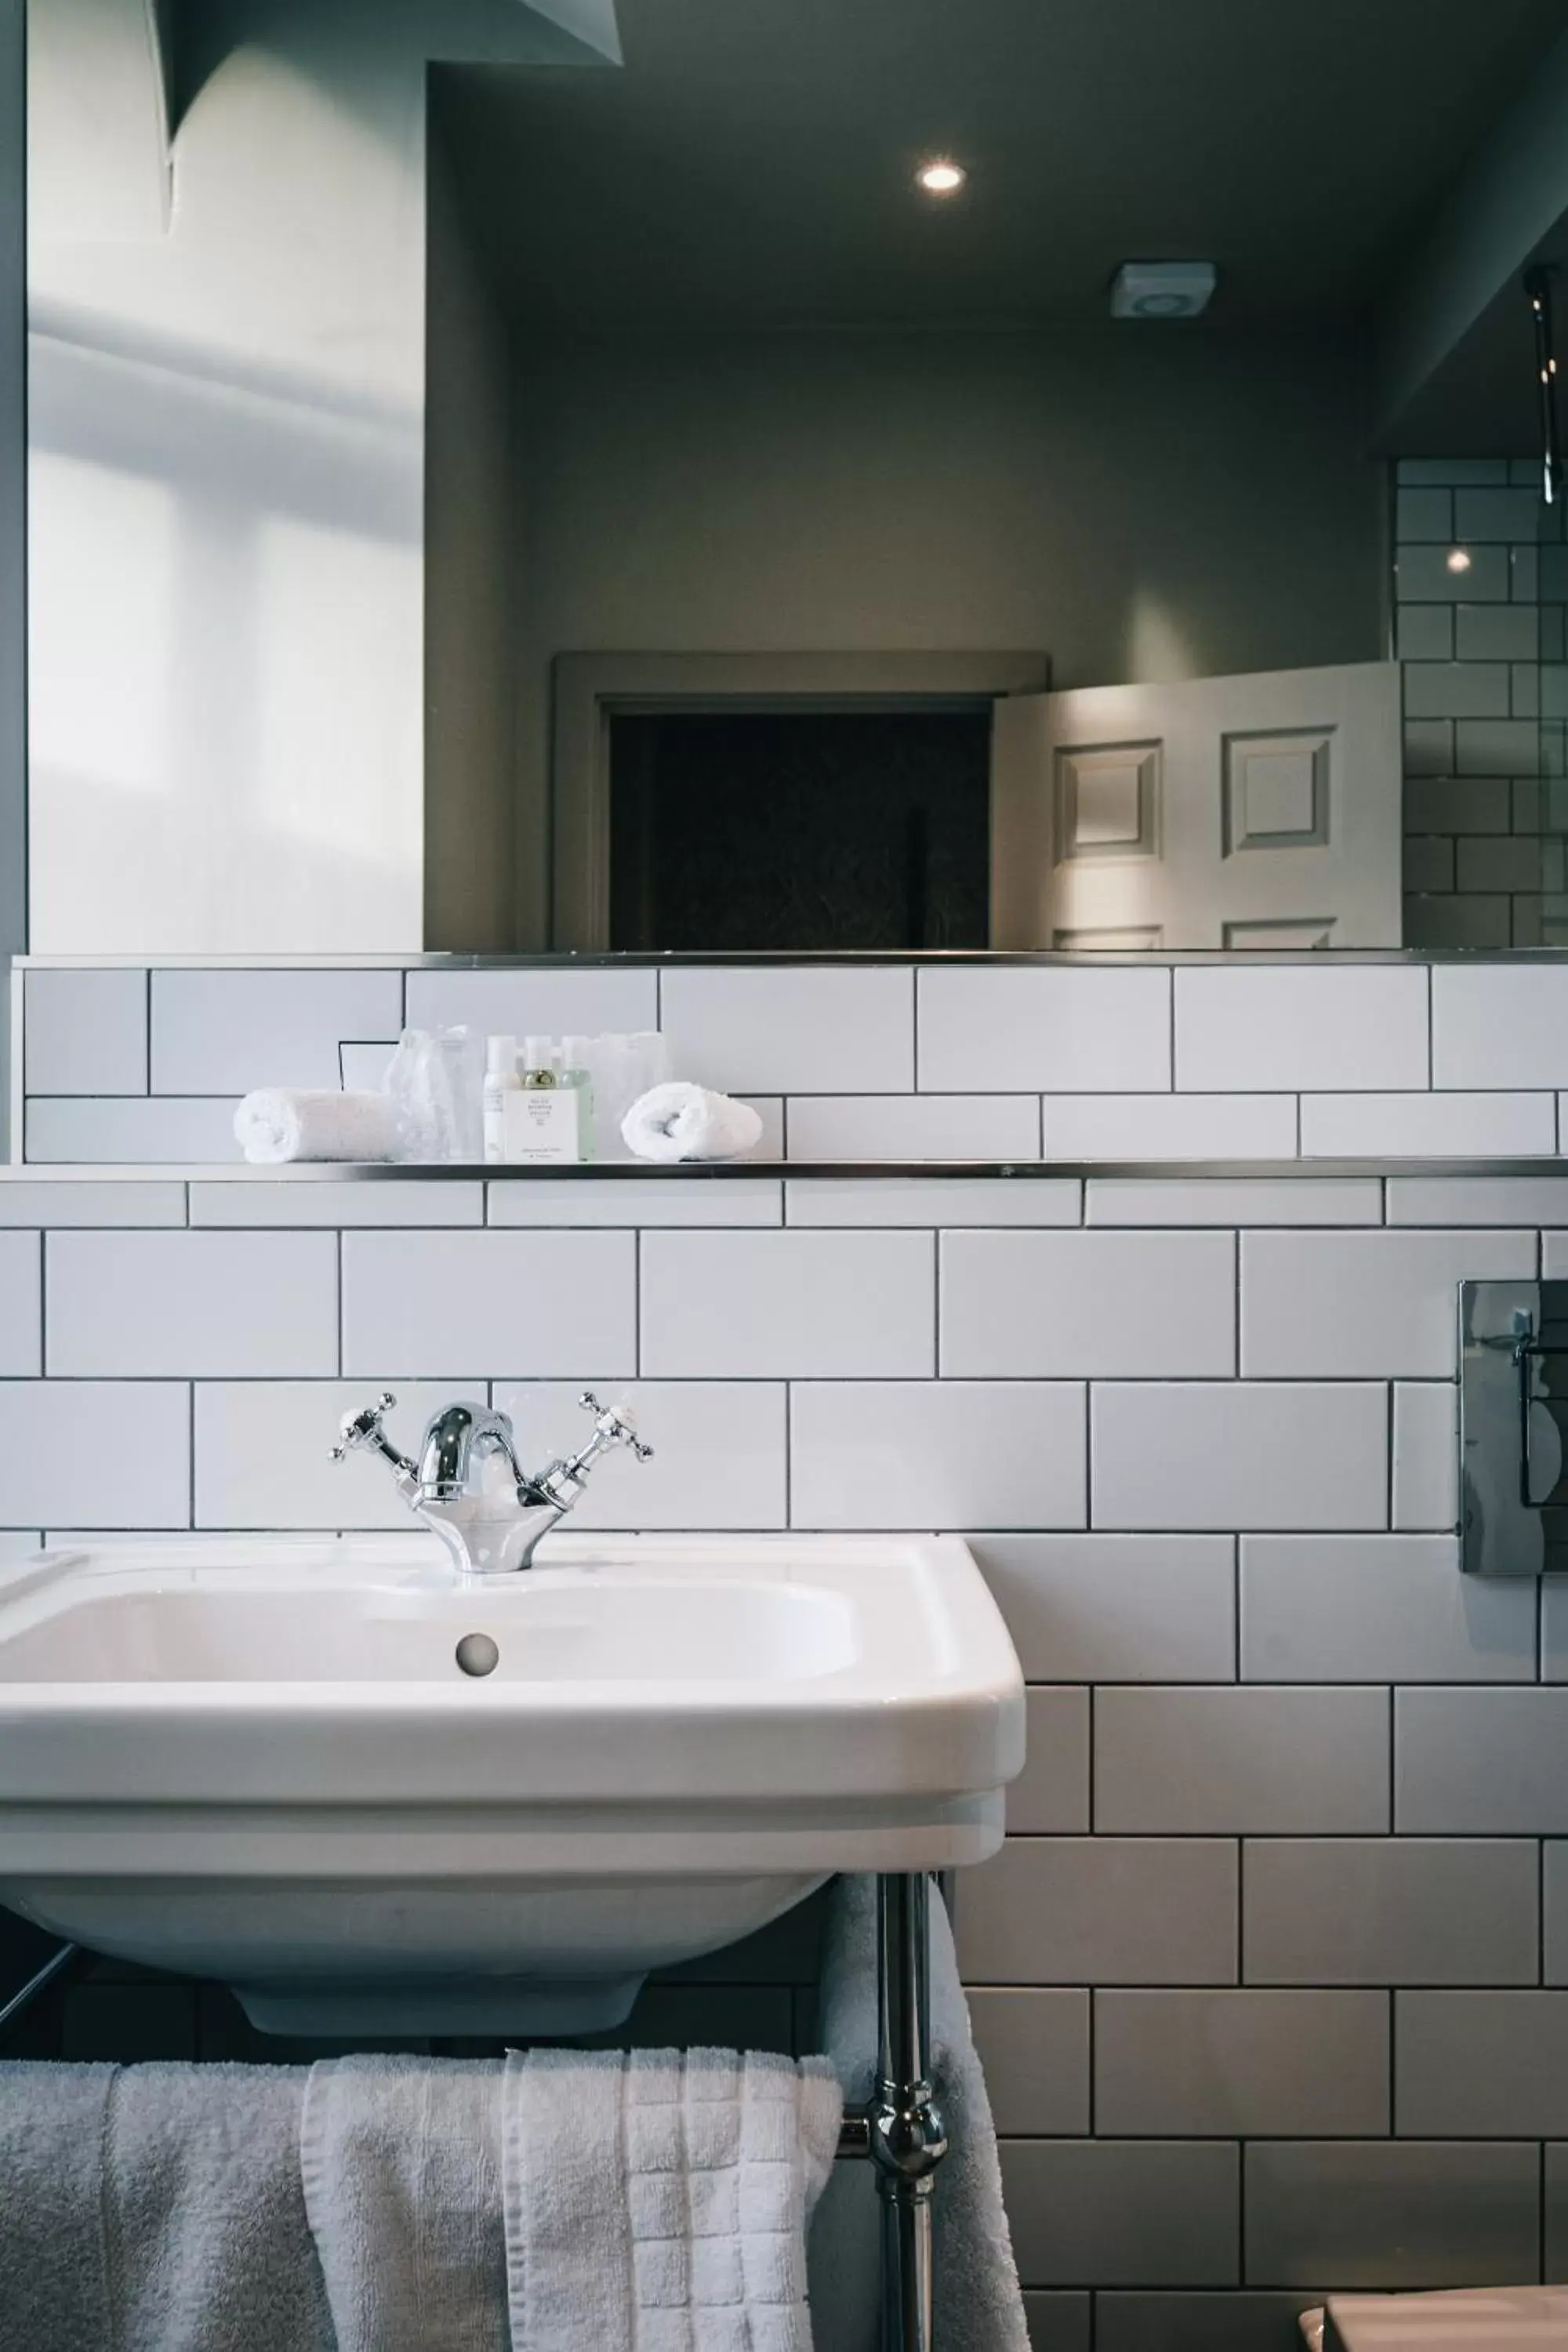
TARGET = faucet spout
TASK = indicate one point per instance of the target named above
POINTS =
(455, 1436)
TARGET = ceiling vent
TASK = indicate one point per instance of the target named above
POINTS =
(1161, 289)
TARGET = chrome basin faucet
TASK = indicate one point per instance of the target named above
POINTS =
(470, 1486)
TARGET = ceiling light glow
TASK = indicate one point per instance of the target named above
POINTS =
(1459, 559)
(941, 176)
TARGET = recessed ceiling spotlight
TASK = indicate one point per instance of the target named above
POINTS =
(1459, 559)
(940, 177)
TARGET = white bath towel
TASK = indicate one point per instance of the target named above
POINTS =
(400, 2164)
(979, 2307)
(284, 1123)
(155, 2209)
(684, 1122)
(657, 2201)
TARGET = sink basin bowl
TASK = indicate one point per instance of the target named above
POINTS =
(373, 1802)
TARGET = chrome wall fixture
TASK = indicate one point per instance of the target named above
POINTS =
(1513, 1421)
(1538, 293)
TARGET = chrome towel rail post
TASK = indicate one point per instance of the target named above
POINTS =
(902, 2130)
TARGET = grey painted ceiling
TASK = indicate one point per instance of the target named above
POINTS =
(751, 164)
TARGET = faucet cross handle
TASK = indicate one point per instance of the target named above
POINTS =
(364, 1429)
(612, 1426)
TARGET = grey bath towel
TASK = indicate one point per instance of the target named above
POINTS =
(155, 2209)
(979, 2307)
(401, 2161)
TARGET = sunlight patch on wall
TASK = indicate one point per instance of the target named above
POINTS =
(102, 556)
(337, 764)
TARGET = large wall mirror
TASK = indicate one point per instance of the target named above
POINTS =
(693, 475)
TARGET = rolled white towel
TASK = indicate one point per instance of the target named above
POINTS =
(282, 1123)
(684, 1122)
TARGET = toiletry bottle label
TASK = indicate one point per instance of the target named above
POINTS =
(543, 1126)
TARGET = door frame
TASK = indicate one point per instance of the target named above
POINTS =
(588, 689)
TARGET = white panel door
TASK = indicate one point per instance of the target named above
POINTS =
(1254, 812)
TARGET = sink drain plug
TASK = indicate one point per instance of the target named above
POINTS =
(477, 1654)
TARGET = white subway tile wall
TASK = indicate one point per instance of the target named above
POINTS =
(1431, 1127)
(431, 1305)
(155, 1130)
(21, 1306)
(1487, 1030)
(758, 1306)
(222, 1033)
(1311, 1028)
(915, 1127)
(1426, 1455)
(397, 1201)
(1170, 1127)
(1332, 1304)
(1059, 1029)
(1254, 1201)
(202, 1305)
(802, 1031)
(86, 1032)
(1087, 1305)
(246, 1429)
(933, 1200)
(719, 1461)
(1266, 1971)
(937, 1453)
(544, 1002)
(879, 1061)
(1050, 1796)
(114, 1202)
(1374, 2216)
(1239, 1454)
(660, 1201)
(1379, 1609)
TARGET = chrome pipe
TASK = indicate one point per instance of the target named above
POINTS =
(1538, 293)
(39, 1982)
(908, 2138)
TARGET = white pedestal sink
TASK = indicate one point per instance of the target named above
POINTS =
(258, 1758)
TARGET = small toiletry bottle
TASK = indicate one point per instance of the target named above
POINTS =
(543, 1122)
(575, 1072)
(500, 1080)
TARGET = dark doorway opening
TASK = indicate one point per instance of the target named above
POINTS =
(751, 831)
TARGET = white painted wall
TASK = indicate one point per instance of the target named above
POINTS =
(227, 464)
(1138, 504)
(470, 629)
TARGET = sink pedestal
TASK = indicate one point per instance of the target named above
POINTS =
(486, 1956)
